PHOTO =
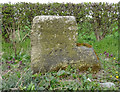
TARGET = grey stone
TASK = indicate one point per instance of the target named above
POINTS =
(107, 84)
(53, 43)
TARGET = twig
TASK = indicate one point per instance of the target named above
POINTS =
(20, 79)
(7, 72)
(18, 33)
(25, 37)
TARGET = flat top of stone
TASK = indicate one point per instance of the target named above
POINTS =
(51, 17)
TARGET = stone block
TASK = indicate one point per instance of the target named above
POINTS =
(53, 45)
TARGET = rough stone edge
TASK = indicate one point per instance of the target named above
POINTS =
(50, 17)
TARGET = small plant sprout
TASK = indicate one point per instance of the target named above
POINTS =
(14, 59)
(12, 62)
(108, 55)
(111, 55)
(9, 67)
(9, 62)
(104, 52)
(20, 62)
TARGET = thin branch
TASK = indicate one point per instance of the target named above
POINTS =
(18, 33)
(25, 37)
(20, 79)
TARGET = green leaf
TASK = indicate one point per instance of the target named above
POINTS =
(35, 75)
(30, 86)
(74, 75)
(18, 74)
(41, 88)
(60, 73)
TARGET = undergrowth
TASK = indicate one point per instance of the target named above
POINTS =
(17, 74)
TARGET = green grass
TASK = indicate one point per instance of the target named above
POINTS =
(24, 47)
(19, 75)
(109, 43)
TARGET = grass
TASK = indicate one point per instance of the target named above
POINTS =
(17, 74)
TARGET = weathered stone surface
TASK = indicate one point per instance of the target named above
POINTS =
(53, 42)
(107, 84)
